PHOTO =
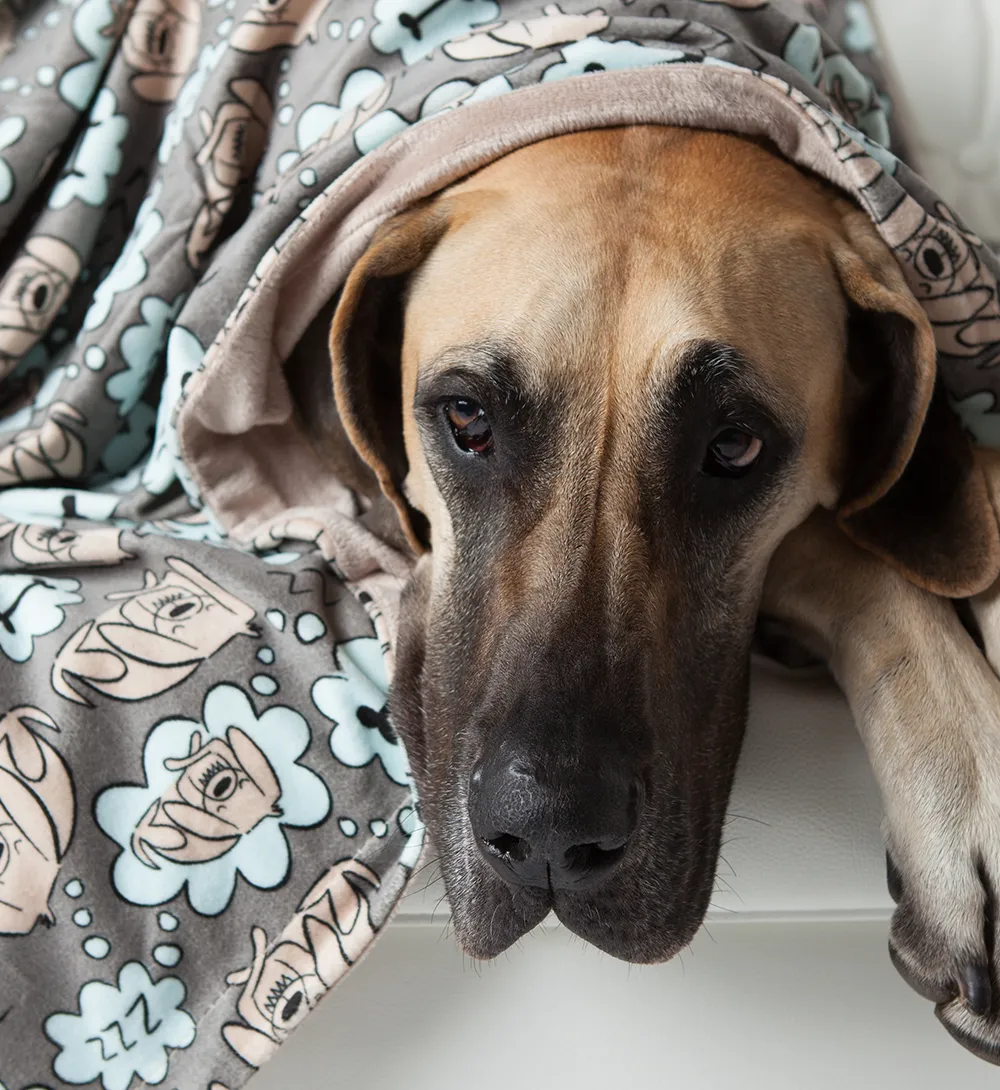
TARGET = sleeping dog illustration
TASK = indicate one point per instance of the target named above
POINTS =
(154, 638)
(36, 545)
(224, 790)
(37, 809)
(330, 930)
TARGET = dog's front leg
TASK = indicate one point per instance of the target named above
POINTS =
(927, 704)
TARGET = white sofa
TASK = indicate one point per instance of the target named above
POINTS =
(790, 984)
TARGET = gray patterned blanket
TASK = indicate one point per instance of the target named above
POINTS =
(205, 814)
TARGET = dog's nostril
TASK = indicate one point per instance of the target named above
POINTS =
(589, 858)
(507, 846)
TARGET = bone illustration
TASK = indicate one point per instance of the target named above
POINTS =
(273, 23)
(224, 790)
(330, 930)
(154, 638)
(37, 808)
(160, 43)
(504, 39)
(234, 141)
(38, 546)
(34, 288)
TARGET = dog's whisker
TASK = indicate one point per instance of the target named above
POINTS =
(746, 817)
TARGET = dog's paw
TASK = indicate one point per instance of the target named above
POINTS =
(942, 941)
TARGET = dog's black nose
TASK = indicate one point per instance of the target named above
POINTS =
(534, 830)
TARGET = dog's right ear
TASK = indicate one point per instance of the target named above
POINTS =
(366, 341)
(914, 493)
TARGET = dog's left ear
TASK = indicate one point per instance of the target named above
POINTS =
(366, 340)
(913, 492)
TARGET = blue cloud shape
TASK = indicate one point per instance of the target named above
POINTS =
(140, 347)
(91, 22)
(31, 606)
(49, 505)
(184, 356)
(460, 92)
(122, 1031)
(355, 700)
(859, 34)
(11, 130)
(595, 54)
(97, 157)
(979, 413)
(261, 855)
(363, 84)
(838, 77)
(125, 450)
(435, 24)
(131, 268)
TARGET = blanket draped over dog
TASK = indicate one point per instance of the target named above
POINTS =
(205, 816)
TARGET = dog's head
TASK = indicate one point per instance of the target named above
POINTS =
(600, 381)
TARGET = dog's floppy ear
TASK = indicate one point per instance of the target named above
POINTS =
(366, 341)
(913, 492)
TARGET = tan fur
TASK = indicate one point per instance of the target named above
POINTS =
(540, 252)
(652, 295)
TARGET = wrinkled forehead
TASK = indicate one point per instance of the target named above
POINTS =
(584, 284)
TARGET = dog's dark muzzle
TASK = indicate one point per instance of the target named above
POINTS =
(567, 830)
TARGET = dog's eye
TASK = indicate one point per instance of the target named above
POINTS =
(732, 452)
(469, 426)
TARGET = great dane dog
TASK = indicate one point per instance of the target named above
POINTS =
(630, 391)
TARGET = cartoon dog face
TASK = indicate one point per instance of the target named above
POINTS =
(272, 23)
(37, 808)
(160, 42)
(35, 287)
(953, 286)
(234, 142)
(154, 639)
(330, 930)
(36, 546)
(53, 449)
(225, 789)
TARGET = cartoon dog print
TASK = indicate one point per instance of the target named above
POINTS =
(225, 789)
(53, 449)
(37, 814)
(33, 290)
(160, 44)
(504, 39)
(330, 930)
(273, 23)
(958, 293)
(35, 545)
(234, 141)
(155, 638)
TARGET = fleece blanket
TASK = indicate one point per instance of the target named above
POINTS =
(205, 815)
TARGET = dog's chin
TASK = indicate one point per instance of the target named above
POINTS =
(489, 916)
(632, 917)
(662, 932)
